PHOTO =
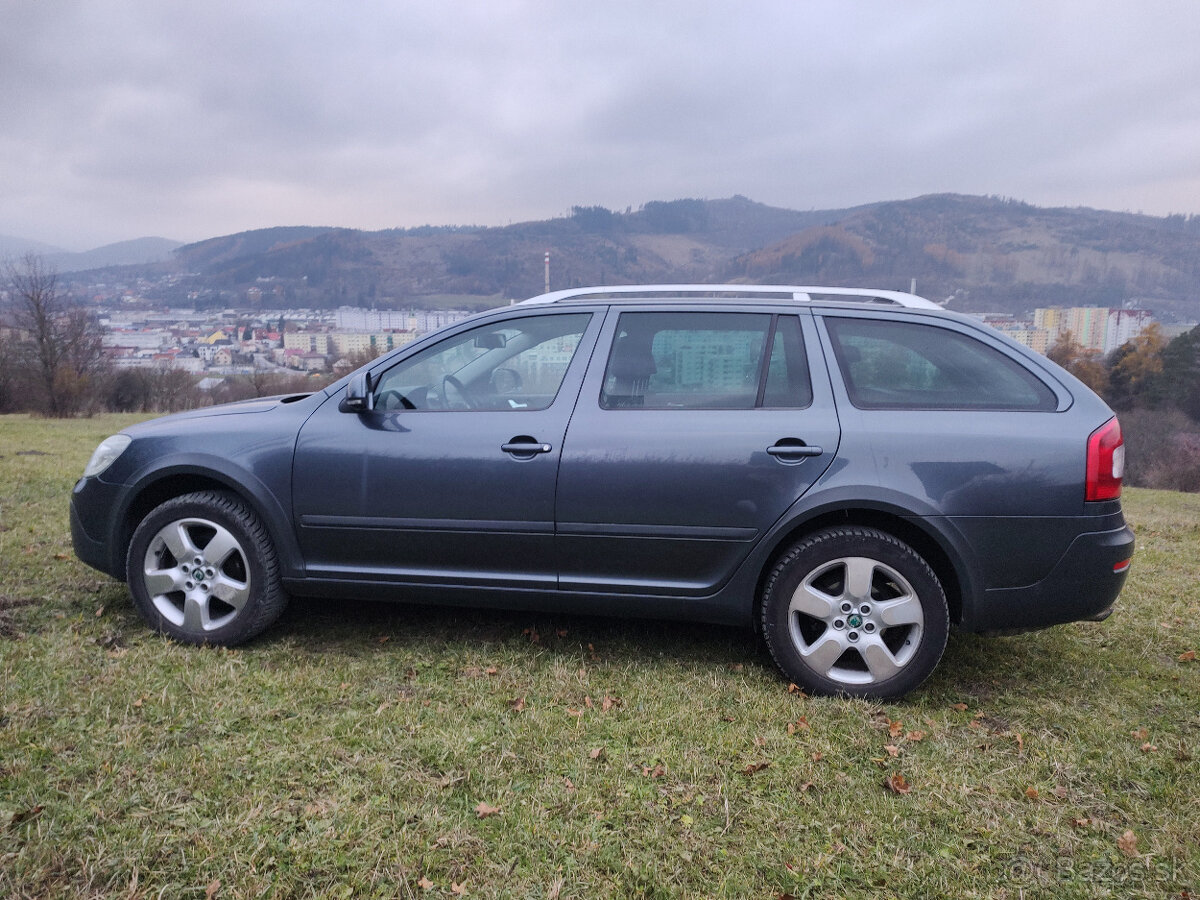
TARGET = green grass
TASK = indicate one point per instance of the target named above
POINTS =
(347, 751)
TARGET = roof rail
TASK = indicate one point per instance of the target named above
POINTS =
(802, 294)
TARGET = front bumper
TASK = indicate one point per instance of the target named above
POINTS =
(92, 506)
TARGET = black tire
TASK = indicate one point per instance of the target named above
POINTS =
(202, 569)
(854, 611)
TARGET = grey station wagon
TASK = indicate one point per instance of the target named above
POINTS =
(850, 471)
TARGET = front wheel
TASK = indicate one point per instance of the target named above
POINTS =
(854, 611)
(203, 570)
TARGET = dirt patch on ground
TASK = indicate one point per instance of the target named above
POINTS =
(8, 626)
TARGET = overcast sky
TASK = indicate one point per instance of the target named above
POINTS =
(200, 118)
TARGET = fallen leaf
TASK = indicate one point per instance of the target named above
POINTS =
(99, 612)
(1148, 747)
(570, 785)
(736, 667)
(491, 670)
(483, 810)
(608, 703)
(1140, 733)
(574, 712)
(897, 784)
(807, 786)
(895, 729)
(1020, 741)
(459, 889)
(25, 815)
(425, 884)
(755, 767)
(817, 756)
(518, 704)
(1031, 793)
(561, 632)
(760, 741)
(211, 890)
(794, 688)
(892, 750)
(531, 633)
(385, 639)
(597, 753)
(961, 707)
(1188, 656)
(61, 556)
(657, 772)
(801, 724)
(1127, 843)
(915, 736)
(587, 701)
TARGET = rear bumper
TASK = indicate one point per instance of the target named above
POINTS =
(1083, 585)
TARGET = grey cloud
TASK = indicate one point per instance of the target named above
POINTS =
(193, 119)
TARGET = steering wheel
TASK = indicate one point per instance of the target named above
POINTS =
(464, 400)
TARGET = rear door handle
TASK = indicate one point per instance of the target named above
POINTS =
(525, 446)
(793, 451)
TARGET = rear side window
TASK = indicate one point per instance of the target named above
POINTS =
(688, 360)
(906, 365)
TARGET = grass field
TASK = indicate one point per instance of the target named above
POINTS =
(361, 750)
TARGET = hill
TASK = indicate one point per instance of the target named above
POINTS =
(124, 253)
(984, 253)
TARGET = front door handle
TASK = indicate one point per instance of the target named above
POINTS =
(793, 448)
(524, 445)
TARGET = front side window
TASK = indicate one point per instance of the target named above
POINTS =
(682, 360)
(905, 365)
(515, 364)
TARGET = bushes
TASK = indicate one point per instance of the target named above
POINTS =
(1162, 449)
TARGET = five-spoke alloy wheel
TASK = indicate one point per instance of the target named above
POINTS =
(202, 569)
(854, 611)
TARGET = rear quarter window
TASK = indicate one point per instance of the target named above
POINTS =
(906, 365)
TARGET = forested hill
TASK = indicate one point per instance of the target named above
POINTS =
(985, 252)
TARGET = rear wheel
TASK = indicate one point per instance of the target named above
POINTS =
(202, 569)
(855, 611)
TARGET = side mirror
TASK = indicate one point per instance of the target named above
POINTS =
(358, 398)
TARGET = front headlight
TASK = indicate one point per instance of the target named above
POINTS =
(106, 454)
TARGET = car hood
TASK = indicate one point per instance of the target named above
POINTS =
(237, 408)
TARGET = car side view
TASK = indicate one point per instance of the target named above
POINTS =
(850, 471)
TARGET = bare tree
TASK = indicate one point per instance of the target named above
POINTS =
(62, 342)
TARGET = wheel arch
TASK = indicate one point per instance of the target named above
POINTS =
(934, 547)
(157, 487)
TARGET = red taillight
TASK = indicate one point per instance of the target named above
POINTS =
(1105, 462)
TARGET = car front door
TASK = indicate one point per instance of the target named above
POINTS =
(450, 478)
(694, 437)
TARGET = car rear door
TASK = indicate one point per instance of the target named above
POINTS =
(693, 433)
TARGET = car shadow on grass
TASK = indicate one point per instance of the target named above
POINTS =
(362, 626)
(975, 668)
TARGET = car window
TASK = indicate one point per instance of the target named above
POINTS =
(689, 360)
(516, 364)
(905, 365)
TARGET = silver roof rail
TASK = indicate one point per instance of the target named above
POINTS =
(802, 294)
